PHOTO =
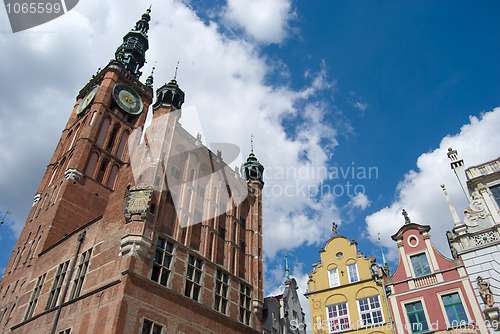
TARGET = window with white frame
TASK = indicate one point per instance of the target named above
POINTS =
(370, 311)
(352, 271)
(420, 265)
(333, 277)
(149, 327)
(338, 317)
(454, 308)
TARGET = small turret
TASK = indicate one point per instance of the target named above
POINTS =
(170, 93)
(254, 171)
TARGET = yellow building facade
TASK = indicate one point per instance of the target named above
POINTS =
(343, 295)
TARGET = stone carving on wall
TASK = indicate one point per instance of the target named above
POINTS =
(475, 211)
(485, 292)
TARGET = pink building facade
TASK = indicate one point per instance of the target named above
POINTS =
(429, 292)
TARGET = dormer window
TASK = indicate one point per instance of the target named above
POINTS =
(420, 265)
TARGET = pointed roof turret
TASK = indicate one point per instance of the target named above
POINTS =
(170, 93)
(253, 168)
(132, 52)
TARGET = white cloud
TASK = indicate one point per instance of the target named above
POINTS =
(265, 21)
(360, 200)
(420, 192)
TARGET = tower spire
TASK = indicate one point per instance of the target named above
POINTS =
(381, 250)
(149, 80)
(454, 213)
(458, 167)
(253, 168)
(132, 52)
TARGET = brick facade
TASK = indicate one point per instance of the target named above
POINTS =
(112, 260)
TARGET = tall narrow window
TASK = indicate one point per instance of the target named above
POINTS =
(333, 277)
(149, 327)
(221, 292)
(195, 236)
(34, 297)
(416, 316)
(112, 177)
(77, 128)
(103, 132)
(80, 274)
(245, 304)
(352, 270)
(338, 317)
(370, 311)
(454, 309)
(101, 171)
(162, 261)
(193, 278)
(57, 285)
(420, 265)
(89, 171)
(121, 146)
(112, 138)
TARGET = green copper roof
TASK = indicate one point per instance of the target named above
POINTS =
(132, 52)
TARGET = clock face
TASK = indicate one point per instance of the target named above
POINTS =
(127, 99)
(87, 100)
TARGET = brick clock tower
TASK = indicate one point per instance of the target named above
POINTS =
(137, 231)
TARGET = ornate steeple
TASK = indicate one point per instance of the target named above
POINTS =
(253, 169)
(132, 52)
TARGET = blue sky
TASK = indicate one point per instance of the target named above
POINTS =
(322, 84)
